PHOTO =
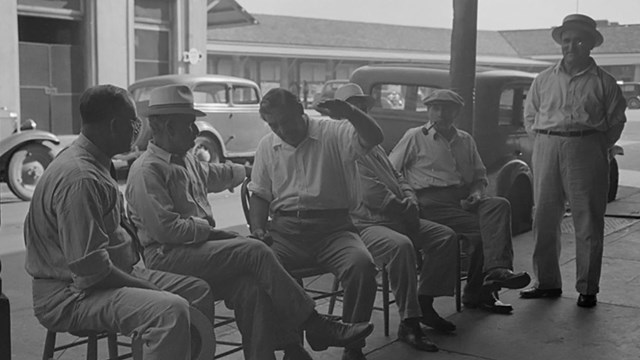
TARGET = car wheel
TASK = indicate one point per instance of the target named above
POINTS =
(614, 178)
(521, 198)
(26, 167)
(633, 104)
(207, 149)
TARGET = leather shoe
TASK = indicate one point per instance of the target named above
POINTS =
(490, 302)
(353, 354)
(535, 293)
(433, 320)
(296, 352)
(587, 301)
(505, 278)
(323, 332)
(414, 336)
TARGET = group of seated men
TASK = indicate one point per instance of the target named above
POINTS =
(323, 192)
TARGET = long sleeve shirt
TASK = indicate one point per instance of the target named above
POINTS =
(433, 161)
(167, 195)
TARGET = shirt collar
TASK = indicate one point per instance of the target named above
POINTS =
(159, 152)
(86, 144)
(434, 134)
(313, 132)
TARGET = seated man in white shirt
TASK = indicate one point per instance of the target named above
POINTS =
(444, 168)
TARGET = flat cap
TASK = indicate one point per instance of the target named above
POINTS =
(442, 96)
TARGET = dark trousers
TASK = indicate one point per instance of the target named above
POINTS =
(486, 229)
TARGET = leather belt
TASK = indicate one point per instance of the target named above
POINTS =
(314, 214)
(576, 133)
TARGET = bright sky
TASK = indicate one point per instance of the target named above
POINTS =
(492, 14)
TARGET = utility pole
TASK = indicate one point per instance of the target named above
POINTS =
(463, 57)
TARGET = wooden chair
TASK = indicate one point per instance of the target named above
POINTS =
(86, 337)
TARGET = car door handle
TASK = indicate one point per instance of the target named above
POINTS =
(517, 153)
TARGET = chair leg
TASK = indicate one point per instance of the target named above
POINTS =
(385, 299)
(49, 345)
(92, 347)
(112, 343)
(458, 276)
(334, 290)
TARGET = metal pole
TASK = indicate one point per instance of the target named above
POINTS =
(463, 57)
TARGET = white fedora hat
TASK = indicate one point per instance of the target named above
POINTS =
(172, 99)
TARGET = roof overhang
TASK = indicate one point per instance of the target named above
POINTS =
(307, 52)
(601, 59)
(227, 13)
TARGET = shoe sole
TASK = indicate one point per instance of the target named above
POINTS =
(324, 346)
(544, 295)
(516, 282)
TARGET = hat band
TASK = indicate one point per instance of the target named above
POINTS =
(172, 106)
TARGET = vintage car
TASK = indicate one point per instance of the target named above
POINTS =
(631, 92)
(497, 124)
(232, 128)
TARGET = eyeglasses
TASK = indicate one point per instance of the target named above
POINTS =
(136, 125)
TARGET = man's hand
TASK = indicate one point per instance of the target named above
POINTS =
(262, 235)
(471, 202)
(411, 214)
(336, 109)
(215, 234)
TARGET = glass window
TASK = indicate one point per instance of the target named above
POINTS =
(505, 110)
(152, 37)
(244, 95)
(511, 108)
(210, 94)
(153, 10)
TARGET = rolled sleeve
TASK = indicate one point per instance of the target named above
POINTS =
(260, 183)
(222, 176)
(91, 269)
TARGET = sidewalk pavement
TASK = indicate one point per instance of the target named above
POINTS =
(537, 329)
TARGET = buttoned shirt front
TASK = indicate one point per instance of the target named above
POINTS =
(317, 174)
(167, 195)
(588, 100)
(432, 161)
(381, 185)
(72, 230)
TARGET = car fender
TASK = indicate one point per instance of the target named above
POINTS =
(8, 144)
(206, 128)
(508, 173)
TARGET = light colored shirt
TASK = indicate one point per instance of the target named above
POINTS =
(72, 230)
(382, 190)
(167, 195)
(433, 161)
(588, 100)
(317, 174)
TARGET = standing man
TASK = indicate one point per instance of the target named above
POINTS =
(575, 112)
(444, 167)
(80, 253)
(302, 178)
(389, 224)
(167, 192)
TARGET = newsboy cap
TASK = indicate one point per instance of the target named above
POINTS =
(443, 96)
(581, 23)
(172, 99)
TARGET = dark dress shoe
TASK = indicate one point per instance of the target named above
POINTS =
(433, 320)
(323, 332)
(353, 354)
(296, 352)
(413, 335)
(535, 293)
(587, 301)
(490, 302)
(505, 278)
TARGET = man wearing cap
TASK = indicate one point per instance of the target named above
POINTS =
(302, 178)
(575, 112)
(442, 164)
(79, 250)
(167, 198)
(388, 220)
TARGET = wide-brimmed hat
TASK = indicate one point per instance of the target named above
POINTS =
(443, 96)
(581, 23)
(172, 99)
(353, 91)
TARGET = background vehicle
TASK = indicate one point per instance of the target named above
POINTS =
(631, 92)
(24, 155)
(328, 90)
(497, 125)
(232, 128)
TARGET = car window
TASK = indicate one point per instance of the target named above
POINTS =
(210, 93)
(511, 110)
(244, 95)
(142, 94)
(400, 96)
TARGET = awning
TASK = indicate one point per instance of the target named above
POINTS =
(227, 13)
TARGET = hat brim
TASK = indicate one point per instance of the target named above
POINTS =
(175, 111)
(368, 99)
(556, 33)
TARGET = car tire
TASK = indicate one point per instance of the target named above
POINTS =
(614, 178)
(633, 103)
(521, 198)
(207, 149)
(26, 167)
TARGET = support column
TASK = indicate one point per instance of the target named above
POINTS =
(192, 31)
(107, 47)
